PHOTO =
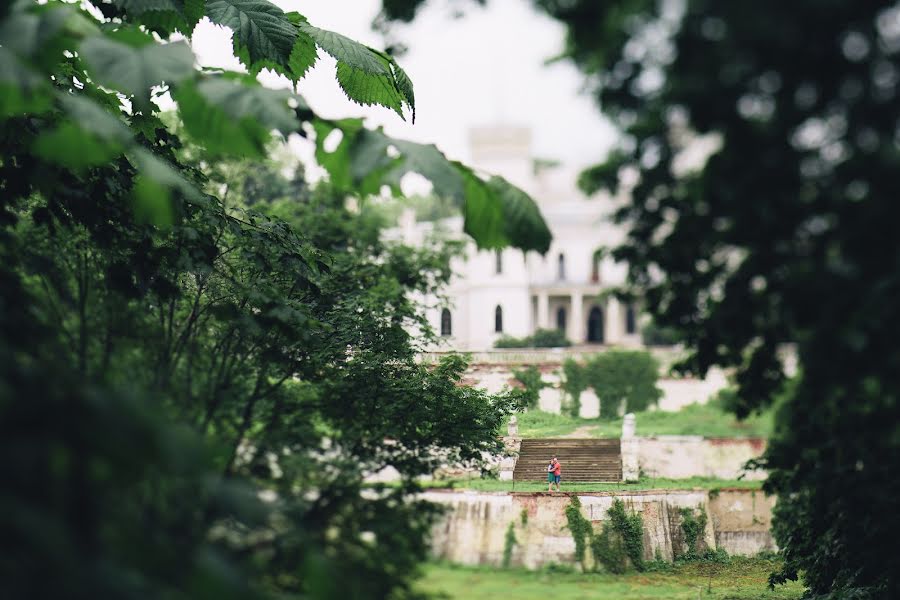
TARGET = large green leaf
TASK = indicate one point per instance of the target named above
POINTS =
(347, 51)
(134, 70)
(165, 15)
(263, 36)
(22, 91)
(87, 136)
(496, 213)
(233, 118)
(367, 89)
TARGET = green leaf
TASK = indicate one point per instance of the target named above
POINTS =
(262, 34)
(496, 213)
(90, 135)
(483, 212)
(347, 51)
(303, 56)
(153, 187)
(367, 89)
(22, 91)
(524, 224)
(167, 14)
(405, 85)
(232, 118)
(135, 70)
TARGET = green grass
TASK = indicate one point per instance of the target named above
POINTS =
(696, 419)
(742, 579)
(645, 483)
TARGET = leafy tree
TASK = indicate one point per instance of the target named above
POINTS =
(624, 380)
(530, 378)
(203, 360)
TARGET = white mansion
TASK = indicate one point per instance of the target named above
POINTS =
(511, 293)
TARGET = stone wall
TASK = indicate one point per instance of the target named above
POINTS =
(683, 456)
(473, 530)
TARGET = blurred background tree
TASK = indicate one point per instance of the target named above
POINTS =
(760, 145)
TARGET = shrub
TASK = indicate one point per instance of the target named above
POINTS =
(574, 382)
(549, 338)
(530, 378)
(623, 379)
(542, 338)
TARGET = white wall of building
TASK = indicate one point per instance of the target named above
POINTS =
(531, 289)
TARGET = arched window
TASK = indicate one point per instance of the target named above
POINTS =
(630, 324)
(561, 319)
(446, 323)
(595, 325)
(561, 267)
(498, 319)
(498, 262)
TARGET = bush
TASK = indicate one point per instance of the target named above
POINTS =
(623, 379)
(542, 338)
(530, 378)
(549, 338)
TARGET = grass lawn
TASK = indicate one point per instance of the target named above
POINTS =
(646, 483)
(742, 579)
(696, 419)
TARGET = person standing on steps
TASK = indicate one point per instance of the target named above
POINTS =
(556, 471)
(551, 478)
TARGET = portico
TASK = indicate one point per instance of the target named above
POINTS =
(580, 311)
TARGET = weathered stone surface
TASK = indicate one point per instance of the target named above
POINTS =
(473, 530)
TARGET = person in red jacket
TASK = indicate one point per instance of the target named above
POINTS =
(555, 470)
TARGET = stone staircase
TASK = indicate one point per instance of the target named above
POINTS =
(590, 460)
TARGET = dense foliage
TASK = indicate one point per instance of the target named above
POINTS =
(786, 234)
(624, 380)
(532, 383)
(202, 359)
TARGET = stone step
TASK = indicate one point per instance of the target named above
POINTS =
(583, 460)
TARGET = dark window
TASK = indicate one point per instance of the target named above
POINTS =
(498, 320)
(561, 267)
(561, 319)
(630, 325)
(498, 262)
(595, 325)
(446, 323)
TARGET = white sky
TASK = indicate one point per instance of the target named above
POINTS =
(484, 69)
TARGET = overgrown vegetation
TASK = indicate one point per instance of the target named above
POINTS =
(542, 338)
(624, 381)
(693, 526)
(574, 382)
(618, 546)
(530, 378)
(509, 544)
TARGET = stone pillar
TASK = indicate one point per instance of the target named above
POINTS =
(576, 323)
(613, 322)
(543, 311)
(631, 469)
(512, 428)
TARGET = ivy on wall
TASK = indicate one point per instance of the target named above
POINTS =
(619, 544)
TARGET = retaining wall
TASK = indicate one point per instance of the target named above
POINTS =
(473, 530)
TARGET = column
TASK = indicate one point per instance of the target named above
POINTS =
(576, 325)
(612, 324)
(543, 311)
